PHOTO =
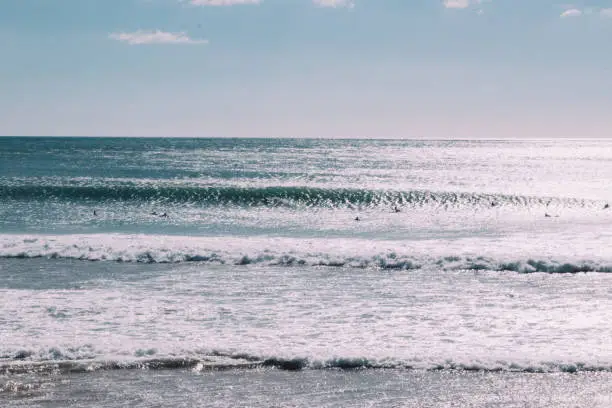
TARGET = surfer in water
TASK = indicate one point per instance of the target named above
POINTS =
(95, 213)
(396, 210)
(164, 215)
(357, 218)
(606, 206)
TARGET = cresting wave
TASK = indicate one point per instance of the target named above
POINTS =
(283, 252)
(218, 361)
(275, 196)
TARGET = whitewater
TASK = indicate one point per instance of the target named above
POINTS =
(379, 271)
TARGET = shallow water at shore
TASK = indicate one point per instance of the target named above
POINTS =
(329, 388)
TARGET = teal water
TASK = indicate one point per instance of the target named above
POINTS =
(440, 194)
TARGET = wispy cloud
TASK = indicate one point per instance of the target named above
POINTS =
(334, 3)
(464, 4)
(142, 37)
(457, 4)
(222, 2)
(572, 12)
(588, 11)
(607, 12)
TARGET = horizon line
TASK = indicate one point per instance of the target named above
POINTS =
(307, 138)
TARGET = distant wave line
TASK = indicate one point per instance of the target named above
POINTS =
(281, 196)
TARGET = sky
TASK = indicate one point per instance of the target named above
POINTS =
(439, 69)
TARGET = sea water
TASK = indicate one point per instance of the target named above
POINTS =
(241, 272)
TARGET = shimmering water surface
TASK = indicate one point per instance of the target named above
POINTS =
(479, 263)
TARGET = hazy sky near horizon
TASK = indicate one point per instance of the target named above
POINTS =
(306, 68)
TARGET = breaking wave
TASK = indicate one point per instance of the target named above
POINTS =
(220, 361)
(281, 252)
(277, 196)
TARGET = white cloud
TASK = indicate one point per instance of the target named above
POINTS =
(334, 3)
(463, 4)
(222, 2)
(141, 37)
(458, 4)
(571, 13)
(588, 11)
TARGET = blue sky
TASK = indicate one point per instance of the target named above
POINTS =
(305, 68)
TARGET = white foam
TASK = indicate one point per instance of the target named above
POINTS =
(421, 319)
(519, 252)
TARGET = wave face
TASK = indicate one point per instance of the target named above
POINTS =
(278, 196)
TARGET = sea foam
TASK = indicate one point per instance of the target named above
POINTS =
(513, 253)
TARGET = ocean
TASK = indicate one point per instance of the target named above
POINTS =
(278, 272)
